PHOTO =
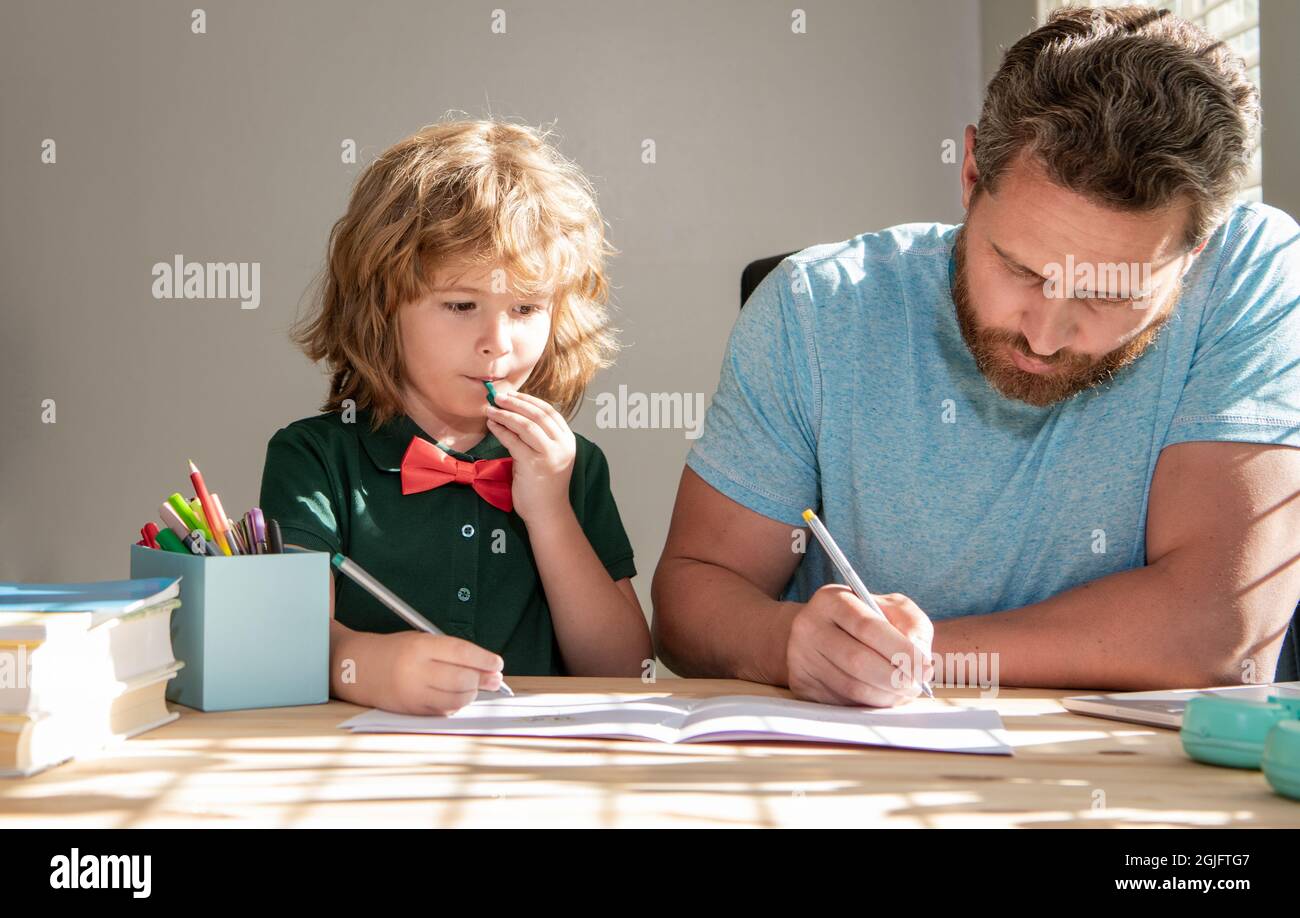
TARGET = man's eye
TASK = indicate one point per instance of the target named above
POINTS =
(1105, 300)
(456, 307)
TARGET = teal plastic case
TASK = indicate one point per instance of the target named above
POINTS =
(253, 630)
(1281, 759)
(1221, 731)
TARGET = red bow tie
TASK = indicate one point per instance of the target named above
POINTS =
(425, 467)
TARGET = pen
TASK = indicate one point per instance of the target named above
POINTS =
(259, 529)
(274, 541)
(187, 516)
(223, 523)
(236, 538)
(173, 520)
(215, 520)
(850, 576)
(171, 542)
(191, 538)
(390, 599)
(233, 535)
(199, 544)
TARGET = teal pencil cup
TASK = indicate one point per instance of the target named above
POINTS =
(253, 630)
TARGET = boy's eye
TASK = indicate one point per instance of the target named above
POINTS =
(456, 307)
(530, 308)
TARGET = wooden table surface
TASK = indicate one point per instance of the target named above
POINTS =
(293, 767)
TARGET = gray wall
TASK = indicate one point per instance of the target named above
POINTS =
(225, 147)
(1002, 22)
(1279, 88)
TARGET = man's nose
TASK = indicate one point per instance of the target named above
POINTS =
(1048, 325)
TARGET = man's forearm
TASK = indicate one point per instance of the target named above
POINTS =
(711, 622)
(1146, 628)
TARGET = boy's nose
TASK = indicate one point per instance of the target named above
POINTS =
(496, 340)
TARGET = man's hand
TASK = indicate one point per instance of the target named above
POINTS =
(840, 652)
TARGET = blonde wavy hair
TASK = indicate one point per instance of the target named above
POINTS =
(461, 192)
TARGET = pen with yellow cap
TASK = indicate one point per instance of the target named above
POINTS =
(847, 573)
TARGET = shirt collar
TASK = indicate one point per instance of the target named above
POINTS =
(387, 445)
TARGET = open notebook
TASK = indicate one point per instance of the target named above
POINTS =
(726, 718)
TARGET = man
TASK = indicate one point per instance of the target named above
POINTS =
(1063, 432)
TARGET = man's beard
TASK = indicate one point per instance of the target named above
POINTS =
(1071, 373)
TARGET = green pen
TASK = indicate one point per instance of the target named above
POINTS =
(491, 393)
(171, 542)
(188, 517)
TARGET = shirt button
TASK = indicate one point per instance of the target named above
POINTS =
(467, 530)
(462, 594)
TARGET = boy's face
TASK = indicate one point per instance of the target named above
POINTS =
(471, 327)
(1118, 279)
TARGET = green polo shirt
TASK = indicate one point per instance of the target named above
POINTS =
(464, 564)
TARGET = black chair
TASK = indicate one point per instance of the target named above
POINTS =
(1288, 662)
(754, 273)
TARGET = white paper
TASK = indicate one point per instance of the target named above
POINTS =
(724, 718)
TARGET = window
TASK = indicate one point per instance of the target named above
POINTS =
(1233, 21)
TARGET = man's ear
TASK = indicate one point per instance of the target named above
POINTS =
(969, 174)
(1191, 257)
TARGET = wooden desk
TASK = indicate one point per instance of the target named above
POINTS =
(294, 767)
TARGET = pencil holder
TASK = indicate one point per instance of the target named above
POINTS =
(253, 630)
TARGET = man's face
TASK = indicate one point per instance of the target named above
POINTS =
(1055, 293)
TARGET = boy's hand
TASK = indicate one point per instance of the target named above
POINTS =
(433, 674)
(543, 447)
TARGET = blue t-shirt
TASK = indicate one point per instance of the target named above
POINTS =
(847, 388)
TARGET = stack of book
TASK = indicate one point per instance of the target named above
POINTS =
(81, 666)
